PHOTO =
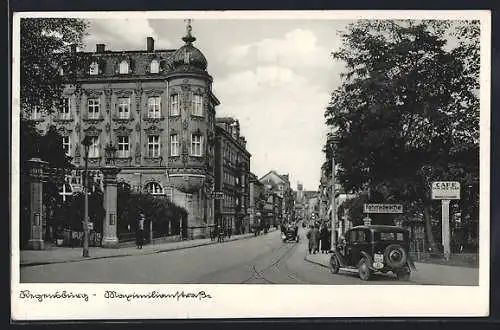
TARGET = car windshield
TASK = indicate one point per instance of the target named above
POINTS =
(390, 236)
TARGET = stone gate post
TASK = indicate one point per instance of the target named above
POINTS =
(110, 237)
(36, 166)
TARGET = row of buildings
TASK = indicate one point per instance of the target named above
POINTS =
(155, 108)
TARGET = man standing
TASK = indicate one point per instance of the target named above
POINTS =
(140, 231)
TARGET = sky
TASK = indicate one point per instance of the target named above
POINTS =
(275, 76)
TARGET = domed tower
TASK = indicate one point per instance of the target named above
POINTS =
(191, 117)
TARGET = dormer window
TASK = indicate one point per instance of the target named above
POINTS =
(94, 68)
(155, 66)
(123, 67)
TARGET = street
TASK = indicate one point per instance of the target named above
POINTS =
(258, 260)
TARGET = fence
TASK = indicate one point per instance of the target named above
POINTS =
(75, 238)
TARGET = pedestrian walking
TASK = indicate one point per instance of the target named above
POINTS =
(140, 231)
(313, 237)
(325, 244)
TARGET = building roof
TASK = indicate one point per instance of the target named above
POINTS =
(283, 178)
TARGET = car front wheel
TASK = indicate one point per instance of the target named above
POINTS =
(364, 270)
(334, 264)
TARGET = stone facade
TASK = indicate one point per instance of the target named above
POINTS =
(232, 163)
(156, 107)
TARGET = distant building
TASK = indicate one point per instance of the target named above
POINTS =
(257, 200)
(280, 185)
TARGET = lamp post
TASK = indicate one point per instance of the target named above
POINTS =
(334, 207)
(87, 141)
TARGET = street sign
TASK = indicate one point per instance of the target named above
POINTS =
(383, 208)
(446, 190)
(218, 195)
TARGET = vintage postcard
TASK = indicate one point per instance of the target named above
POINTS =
(175, 165)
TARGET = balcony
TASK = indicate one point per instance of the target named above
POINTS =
(94, 119)
(63, 118)
(153, 119)
(123, 119)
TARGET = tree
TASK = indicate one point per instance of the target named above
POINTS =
(406, 112)
(45, 49)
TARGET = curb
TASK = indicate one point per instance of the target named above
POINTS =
(32, 264)
(315, 262)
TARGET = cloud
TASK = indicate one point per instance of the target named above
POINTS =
(298, 48)
(126, 34)
(281, 115)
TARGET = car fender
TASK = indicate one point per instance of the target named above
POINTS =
(369, 258)
(340, 258)
(410, 263)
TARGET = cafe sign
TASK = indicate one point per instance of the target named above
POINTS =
(446, 190)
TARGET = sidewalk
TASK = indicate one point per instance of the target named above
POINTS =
(426, 273)
(67, 254)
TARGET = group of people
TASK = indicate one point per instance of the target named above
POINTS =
(319, 236)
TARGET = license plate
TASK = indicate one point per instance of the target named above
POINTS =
(378, 265)
(378, 258)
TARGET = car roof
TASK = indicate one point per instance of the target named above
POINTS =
(381, 228)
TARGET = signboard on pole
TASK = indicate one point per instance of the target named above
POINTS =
(383, 208)
(446, 190)
(218, 195)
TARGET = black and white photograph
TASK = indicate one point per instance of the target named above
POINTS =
(272, 162)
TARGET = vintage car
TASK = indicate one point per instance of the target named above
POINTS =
(290, 234)
(371, 249)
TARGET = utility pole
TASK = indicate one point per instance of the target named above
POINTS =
(334, 208)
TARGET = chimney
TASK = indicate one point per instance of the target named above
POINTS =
(73, 48)
(150, 44)
(100, 48)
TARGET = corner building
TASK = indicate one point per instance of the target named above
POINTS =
(156, 107)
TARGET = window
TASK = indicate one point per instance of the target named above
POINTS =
(94, 106)
(35, 113)
(66, 145)
(123, 67)
(65, 108)
(94, 68)
(170, 193)
(154, 188)
(155, 66)
(174, 145)
(196, 145)
(124, 108)
(123, 147)
(154, 107)
(361, 236)
(94, 147)
(174, 105)
(197, 104)
(153, 146)
(388, 236)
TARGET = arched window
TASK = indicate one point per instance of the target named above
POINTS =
(94, 68)
(66, 191)
(154, 188)
(123, 67)
(155, 66)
